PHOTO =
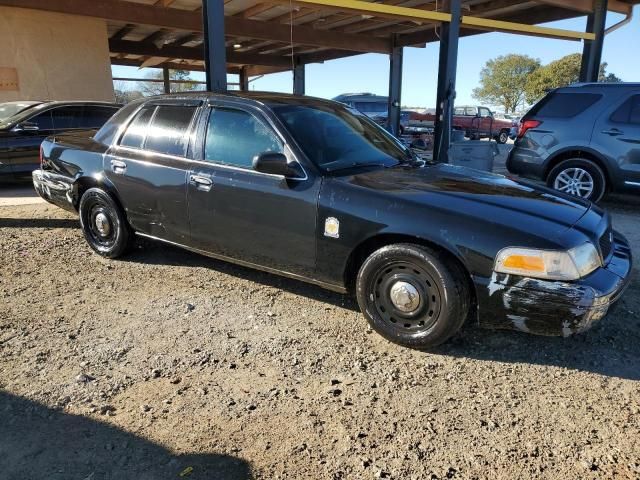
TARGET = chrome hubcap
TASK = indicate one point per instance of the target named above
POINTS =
(405, 297)
(102, 224)
(575, 181)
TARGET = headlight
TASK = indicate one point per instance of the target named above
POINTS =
(547, 264)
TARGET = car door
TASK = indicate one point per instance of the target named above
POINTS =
(148, 165)
(239, 213)
(486, 121)
(23, 142)
(617, 134)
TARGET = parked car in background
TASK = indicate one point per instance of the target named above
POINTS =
(476, 122)
(367, 103)
(26, 124)
(313, 190)
(583, 140)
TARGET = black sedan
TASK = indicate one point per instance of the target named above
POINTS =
(313, 190)
(23, 126)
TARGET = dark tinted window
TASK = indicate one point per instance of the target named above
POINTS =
(629, 112)
(137, 130)
(234, 137)
(168, 130)
(65, 118)
(95, 117)
(43, 120)
(371, 107)
(564, 105)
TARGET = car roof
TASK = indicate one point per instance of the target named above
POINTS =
(603, 85)
(264, 98)
(59, 103)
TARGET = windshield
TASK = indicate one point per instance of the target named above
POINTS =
(9, 109)
(336, 138)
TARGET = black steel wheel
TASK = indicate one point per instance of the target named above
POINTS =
(104, 224)
(413, 295)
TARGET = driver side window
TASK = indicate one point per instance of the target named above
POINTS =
(234, 137)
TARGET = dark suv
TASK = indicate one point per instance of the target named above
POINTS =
(583, 140)
(26, 124)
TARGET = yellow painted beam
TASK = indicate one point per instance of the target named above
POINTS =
(373, 9)
(426, 16)
(524, 29)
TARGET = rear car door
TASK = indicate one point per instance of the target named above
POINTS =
(148, 165)
(237, 212)
(617, 133)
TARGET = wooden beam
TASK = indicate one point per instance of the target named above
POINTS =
(123, 32)
(194, 53)
(586, 6)
(173, 18)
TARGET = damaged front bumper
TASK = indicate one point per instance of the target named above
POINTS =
(54, 188)
(546, 307)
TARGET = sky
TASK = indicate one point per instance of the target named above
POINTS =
(370, 72)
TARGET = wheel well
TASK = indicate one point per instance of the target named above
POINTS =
(366, 248)
(577, 154)
(85, 183)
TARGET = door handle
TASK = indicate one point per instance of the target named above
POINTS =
(118, 167)
(614, 132)
(201, 182)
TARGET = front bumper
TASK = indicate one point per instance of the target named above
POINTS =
(545, 307)
(54, 188)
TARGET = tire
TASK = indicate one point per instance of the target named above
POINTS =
(587, 171)
(104, 224)
(503, 137)
(439, 310)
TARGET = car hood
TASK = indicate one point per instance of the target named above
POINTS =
(467, 191)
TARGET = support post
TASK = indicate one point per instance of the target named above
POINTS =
(395, 89)
(592, 52)
(449, 36)
(244, 80)
(298, 78)
(166, 79)
(215, 55)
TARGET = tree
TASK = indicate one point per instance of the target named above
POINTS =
(560, 73)
(157, 88)
(503, 81)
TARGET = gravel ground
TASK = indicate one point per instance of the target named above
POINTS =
(171, 365)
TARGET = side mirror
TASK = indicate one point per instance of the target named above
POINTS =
(26, 127)
(275, 163)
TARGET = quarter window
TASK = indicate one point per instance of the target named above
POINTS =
(168, 132)
(564, 105)
(629, 112)
(137, 129)
(234, 137)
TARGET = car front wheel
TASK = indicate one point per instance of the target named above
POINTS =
(579, 177)
(104, 225)
(503, 137)
(413, 295)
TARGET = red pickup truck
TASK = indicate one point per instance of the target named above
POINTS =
(476, 122)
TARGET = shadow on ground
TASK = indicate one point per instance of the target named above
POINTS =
(39, 223)
(40, 443)
(611, 348)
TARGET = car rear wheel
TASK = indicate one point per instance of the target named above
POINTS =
(413, 295)
(579, 177)
(104, 224)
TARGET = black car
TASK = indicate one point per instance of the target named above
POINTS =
(583, 140)
(23, 126)
(314, 190)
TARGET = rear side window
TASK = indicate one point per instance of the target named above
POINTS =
(137, 130)
(65, 118)
(564, 105)
(168, 132)
(95, 117)
(629, 112)
(234, 137)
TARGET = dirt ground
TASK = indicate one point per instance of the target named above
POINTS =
(170, 365)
